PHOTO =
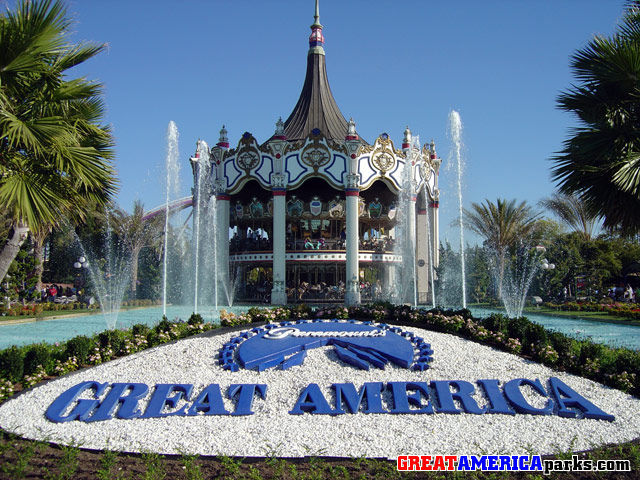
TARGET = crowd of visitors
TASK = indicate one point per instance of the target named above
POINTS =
(58, 293)
(624, 294)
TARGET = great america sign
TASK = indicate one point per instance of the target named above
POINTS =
(361, 345)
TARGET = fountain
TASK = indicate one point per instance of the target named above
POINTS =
(211, 251)
(513, 273)
(202, 188)
(109, 273)
(172, 187)
(455, 129)
(406, 290)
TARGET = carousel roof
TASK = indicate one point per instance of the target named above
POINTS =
(316, 107)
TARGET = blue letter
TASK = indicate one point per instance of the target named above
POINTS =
(575, 400)
(402, 399)
(496, 400)
(245, 398)
(209, 401)
(161, 398)
(353, 399)
(514, 395)
(311, 400)
(116, 396)
(82, 409)
(446, 396)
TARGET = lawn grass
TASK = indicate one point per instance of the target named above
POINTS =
(51, 314)
(598, 316)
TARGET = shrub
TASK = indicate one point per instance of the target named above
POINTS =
(496, 323)
(79, 347)
(12, 364)
(628, 361)
(115, 339)
(140, 329)
(516, 327)
(561, 343)
(164, 325)
(37, 356)
(590, 351)
(300, 311)
(195, 319)
(535, 334)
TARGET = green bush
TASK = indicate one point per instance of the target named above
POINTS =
(535, 334)
(517, 327)
(140, 329)
(496, 323)
(561, 343)
(628, 361)
(79, 347)
(590, 351)
(195, 319)
(164, 325)
(35, 356)
(114, 339)
(12, 364)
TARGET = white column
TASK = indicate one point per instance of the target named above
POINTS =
(222, 241)
(422, 250)
(434, 224)
(278, 292)
(352, 294)
(412, 241)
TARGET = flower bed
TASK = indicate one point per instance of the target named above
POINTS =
(22, 367)
(626, 310)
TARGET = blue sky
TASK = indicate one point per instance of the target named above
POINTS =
(391, 64)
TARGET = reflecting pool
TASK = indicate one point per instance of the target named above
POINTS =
(612, 334)
(61, 329)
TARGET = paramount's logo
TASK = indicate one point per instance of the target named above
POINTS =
(360, 344)
(279, 333)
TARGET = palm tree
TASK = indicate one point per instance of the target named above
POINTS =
(572, 211)
(600, 162)
(54, 155)
(502, 225)
(137, 233)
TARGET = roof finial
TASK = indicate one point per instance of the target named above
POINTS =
(316, 17)
(316, 39)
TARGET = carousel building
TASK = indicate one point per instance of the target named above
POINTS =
(317, 213)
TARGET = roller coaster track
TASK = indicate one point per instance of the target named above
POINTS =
(174, 207)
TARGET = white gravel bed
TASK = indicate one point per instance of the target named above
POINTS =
(273, 431)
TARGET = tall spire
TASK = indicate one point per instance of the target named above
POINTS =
(316, 39)
(316, 107)
(316, 17)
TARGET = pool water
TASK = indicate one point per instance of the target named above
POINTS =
(62, 329)
(608, 333)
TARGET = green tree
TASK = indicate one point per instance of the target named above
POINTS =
(563, 250)
(137, 233)
(573, 212)
(502, 225)
(150, 275)
(20, 282)
(449, 277)
(478, 273)
(54, 154)
(600, 162)
(601, 265)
